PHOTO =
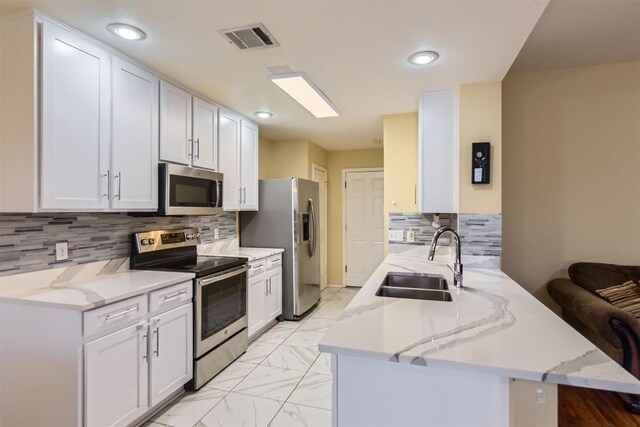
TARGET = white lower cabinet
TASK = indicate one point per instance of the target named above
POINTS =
(265, 293)
(116, 377)
(171, 355)
(274, 297)
(256, 307)
(130, 371)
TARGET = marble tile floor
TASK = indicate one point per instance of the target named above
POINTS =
(282, 379)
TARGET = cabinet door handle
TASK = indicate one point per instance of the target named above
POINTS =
(145, 355)
(157, 350)
(244, 197)
(197, 146)
(172, 296)
(269, 286)
(189, 148)
(108, 175)
(119, 176)
(266, 287)
(122, 313)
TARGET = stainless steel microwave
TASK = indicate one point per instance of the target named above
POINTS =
(189, 191)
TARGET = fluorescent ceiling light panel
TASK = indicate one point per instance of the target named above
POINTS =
(299, 87)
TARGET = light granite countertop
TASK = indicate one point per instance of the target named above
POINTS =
(85, 286)
(251, 254)
(492, 326)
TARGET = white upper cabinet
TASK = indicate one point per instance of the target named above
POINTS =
(134, 138)
(238, 148)
(85, 127)
(205, 134)
(75, 122)
(188, 128)
(437, 165)
(229, 149)
(249, 166)
(175, 124)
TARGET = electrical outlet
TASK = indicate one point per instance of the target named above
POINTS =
(216, 233)
(395, 235)
(411, 236)
(62, 251)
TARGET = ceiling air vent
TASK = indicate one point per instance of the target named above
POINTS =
(250, 37)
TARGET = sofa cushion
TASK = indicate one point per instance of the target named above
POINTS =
(594, 276)
(625, 296)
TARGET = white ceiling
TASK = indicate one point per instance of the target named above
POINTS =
(355, 51)
(579, 33)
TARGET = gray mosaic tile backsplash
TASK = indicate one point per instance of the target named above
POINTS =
(481, 234)
(421, 225)
(27, 241)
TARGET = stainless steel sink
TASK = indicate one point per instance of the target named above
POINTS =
(429, 287)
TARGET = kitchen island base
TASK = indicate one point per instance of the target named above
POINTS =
(371, 392)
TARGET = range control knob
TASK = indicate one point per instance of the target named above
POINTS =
(189, 236)
(196, 236)
(144, 242)
(152, 241)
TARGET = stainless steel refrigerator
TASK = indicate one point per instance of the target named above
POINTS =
(288, 218)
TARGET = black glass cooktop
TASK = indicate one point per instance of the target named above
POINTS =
(200, 265)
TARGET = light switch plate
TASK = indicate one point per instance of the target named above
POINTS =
(395, 235)
(216, 233)
(62, 251)
(411, 236)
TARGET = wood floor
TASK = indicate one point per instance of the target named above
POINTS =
(583, 407)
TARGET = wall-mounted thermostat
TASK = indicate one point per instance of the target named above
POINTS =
(481, 163)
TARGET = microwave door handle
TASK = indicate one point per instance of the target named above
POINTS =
(219, 186)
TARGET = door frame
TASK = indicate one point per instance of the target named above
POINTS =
(325, 212)
(344, 213)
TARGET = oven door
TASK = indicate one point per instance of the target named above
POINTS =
(221, 308)
(189, 191)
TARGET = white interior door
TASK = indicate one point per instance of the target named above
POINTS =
(364, 225)
(320, 176)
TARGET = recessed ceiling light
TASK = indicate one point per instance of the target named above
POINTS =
(423, 58)
(263, 114)
(126, 31)
(306, 93)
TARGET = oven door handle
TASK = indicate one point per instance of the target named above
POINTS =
(222, 276)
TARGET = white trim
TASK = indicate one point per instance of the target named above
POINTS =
(344, 213)
(325, 212)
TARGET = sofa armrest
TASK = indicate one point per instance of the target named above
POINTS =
(593, 311)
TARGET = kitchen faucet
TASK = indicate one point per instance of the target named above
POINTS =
(457, 266)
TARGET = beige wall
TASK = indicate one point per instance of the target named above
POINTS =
(480, 120)
(400, 162)
(265, 159)
(337, 161)
(289, 158)
(315, 155)
(280, 159)
(571, 166)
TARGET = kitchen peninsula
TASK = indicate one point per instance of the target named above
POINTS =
(492, 356)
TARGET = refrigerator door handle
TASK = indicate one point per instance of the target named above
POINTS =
(314, 242)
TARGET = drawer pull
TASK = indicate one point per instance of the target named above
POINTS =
(176, 295)
(257, 266)
(122, 313)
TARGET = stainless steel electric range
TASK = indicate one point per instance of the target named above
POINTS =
(220, 295)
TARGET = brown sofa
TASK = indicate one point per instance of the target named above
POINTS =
(614, 331)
